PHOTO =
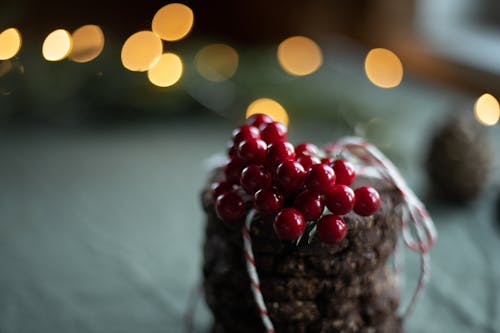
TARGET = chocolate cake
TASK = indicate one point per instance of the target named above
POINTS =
(315, 287)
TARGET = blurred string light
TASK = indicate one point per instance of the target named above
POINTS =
(299, 55)
(57, 45)
(383, 68)
(173, 21)
(487, 110)
(88, 43)
(270, 107)
(141, 51)
(167, 71)
(217, 62)
(10, 43)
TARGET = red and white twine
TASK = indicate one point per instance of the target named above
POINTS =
(417, 229)
(415, 220)
(252, 273)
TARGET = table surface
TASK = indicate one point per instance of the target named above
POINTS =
(101, 231)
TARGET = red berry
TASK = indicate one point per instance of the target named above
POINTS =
(245, 132)
(259, 119)
(219, 188)
(320, 178)
(344, 171)
(328, 161)
(273, 132)
(340, 200)
(278, 152)
(290, 176)
(252, 151)
(308, 161)
(268, 201)
(331, 229)
(232, 151)
(254, 177)
(310, 204)
(233, 170)
(367, 200)
(306, 148)
(230, 206)
(289, 224)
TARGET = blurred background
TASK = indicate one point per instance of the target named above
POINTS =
(110, 112)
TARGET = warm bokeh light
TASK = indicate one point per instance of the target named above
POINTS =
(141, 51)
(383, 68)
(270, 107)
(57, 45)
(173, 21)
(299, 55)
(487, 110)
(167, 71)
(10, 43)
(88, 43)
(217, 62)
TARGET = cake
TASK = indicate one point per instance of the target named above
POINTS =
(340, 280)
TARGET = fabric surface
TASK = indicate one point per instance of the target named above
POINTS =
(101, 231)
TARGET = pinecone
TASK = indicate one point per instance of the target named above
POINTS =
(460, 159)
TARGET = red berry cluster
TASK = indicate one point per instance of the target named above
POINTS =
(293, 184)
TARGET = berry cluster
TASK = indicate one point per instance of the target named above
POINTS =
(293, 184)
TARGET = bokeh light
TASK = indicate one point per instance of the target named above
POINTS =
(88, 43)
(383, 68)
(487, 110)
(173, 21)
(141, 51)
(167, 71)
(10, 43)
(270, 107)
(57, 45)
(299, 55)
(217, 62)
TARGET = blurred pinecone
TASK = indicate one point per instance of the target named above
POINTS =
(460, 159)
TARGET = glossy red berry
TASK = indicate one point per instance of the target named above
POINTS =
(268, 201)
(219, 188)
(230, 206)
(259, 119)
(290, 176)
(320, 178)
(310, 204)
(252, 151)
(232, 151)
(344, 171)
(306, 148)
(367, 201)
(245, 132)
(254, 178)
(331, 229)
(328, 161)
(289, 224)
(340, 200)
(273, 132)
(278, 152)
(308, 161)
(233, 170)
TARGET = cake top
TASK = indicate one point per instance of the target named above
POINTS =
(303, 189)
